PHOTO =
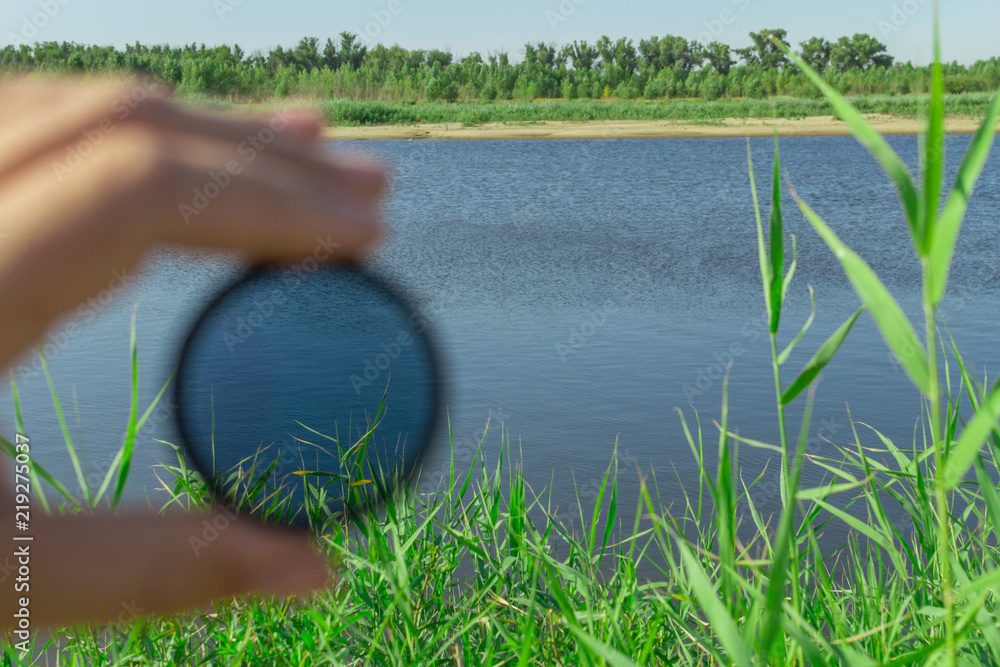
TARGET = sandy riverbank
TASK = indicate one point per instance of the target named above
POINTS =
(642, 129)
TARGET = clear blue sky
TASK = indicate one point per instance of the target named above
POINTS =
(969, 27)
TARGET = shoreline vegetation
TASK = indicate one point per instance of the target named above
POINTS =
(614, 119)
(658, 68)
(659, 86)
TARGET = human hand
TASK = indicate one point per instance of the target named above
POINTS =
(93, 174)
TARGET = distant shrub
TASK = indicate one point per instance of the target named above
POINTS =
(627, 90)
(282, 89)
(348, 112)
(712, 88)
(754, 88)
(441, 89)
(655, 89)
(489, 93)
(568, 90)
(474, 118)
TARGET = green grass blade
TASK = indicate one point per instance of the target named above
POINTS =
(966, 449)
(131, 430)
(765, 267)
(606, 652)
(862, 527)
(889, 317)
(870, 139)
(37, 469)
(819, 360)
(725, 506)
(155, 402)
(599, 648)
(991, 498)
(777, 243)
(783, 357)
(115, 466)
(722, 623)
(945, 233)
(15, 395)
(108, 477)
(933, 153)
(39, 491)
(773, 606)
(791, 268)
(74, 459)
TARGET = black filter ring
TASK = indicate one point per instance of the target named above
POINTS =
(381, 285)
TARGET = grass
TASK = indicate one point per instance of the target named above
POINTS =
(484, 572)
(356, 113)
(348, 113)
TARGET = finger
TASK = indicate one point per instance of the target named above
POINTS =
(288, 134)
(95, 567)
(363, 173)
(288, 131)
(85, 114)
(55, 114)
(139, 189)
(23, 96)
(63, 135)
(265, 205)
(305, 122)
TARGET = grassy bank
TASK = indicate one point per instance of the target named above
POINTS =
(341, 113)
(468, 574)
(345, 112)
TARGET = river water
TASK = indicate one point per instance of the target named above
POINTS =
(583, 291)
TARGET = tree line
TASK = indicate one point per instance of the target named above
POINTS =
(655, 68)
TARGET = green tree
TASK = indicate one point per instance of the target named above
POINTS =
(719, 57)
(331, 59)
(764, 52)
(859, 52)
(440, 88)
(676, 52)
(541, 54)
(499, 60)
(278, 58)
(474, 58)
(306, 55)
(443, 58)
(649, 49)
(416, 58)
(75, 61)
(816, 53)
(584, 55)
(712, 87)
(670, 51)
(489, 92)
(622, 54)
(352, 52)
(343, 66)
(568, 90)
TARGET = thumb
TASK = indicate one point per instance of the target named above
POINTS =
(97, 567)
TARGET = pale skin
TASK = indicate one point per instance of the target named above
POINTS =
(65, 229)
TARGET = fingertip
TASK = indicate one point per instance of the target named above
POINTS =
(363, 164)
(305, 122)
(307, 576)
(283, 562)
(365, 175)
